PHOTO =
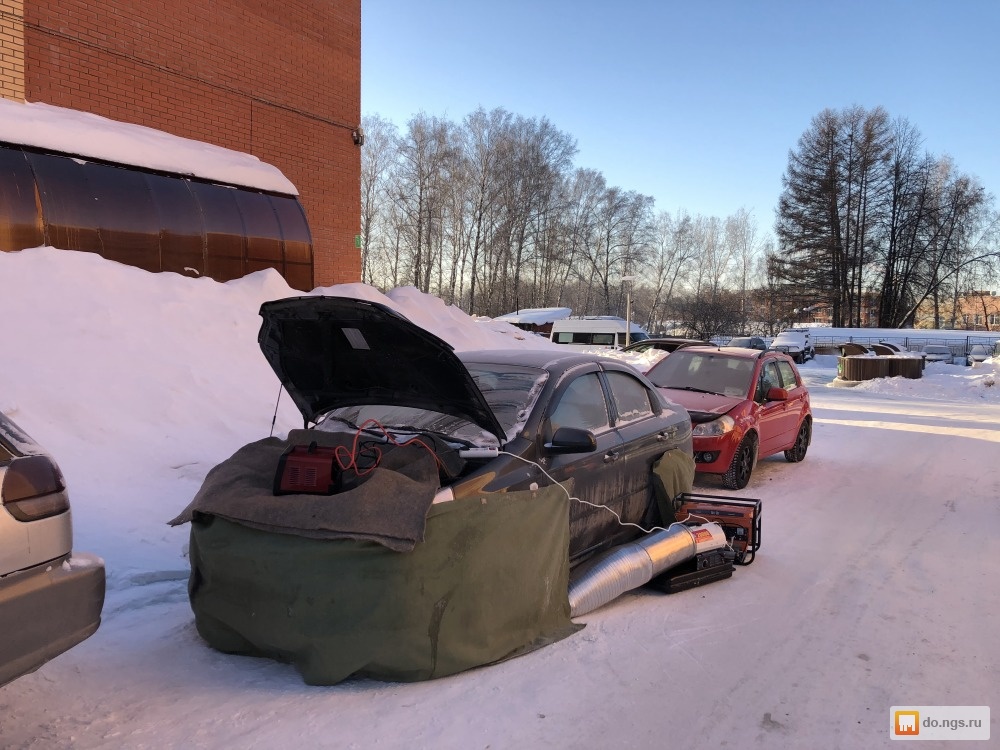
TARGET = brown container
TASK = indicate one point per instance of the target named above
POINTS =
(868, 368)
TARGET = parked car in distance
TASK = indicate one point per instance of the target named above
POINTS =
(977, 353)
(748, 342)
(664, 343)
(51, 597)
(938, 353)
(796, 343)
(744, 405)
(585, 417)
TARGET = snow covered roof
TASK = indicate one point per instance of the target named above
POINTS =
(536, 316)
(82, 134)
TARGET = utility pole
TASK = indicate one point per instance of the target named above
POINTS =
(628, 308)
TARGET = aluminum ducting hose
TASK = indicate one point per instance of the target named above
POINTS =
(631, 565)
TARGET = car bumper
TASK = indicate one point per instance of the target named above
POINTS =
(712, 455)
(48, 609)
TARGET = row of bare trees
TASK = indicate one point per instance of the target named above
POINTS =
(492, 214)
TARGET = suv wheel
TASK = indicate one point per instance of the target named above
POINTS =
(737, 476)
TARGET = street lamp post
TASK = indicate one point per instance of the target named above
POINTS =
(628, 308)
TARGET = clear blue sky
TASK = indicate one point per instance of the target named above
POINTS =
(694, 103)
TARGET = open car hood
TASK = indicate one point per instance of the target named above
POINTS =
(330, 352)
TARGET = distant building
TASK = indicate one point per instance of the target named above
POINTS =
(280, 81)
(974, 311)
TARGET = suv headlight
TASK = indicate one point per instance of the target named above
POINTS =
(715, 428)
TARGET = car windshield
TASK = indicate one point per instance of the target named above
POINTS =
(510, 391)
(707, 372)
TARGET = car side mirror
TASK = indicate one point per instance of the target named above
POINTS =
(571, 440)
(777, 394)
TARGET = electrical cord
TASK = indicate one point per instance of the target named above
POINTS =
(348, 458)
(603, 507)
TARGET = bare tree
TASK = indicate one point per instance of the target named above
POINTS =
(484, 136)
(427, 157)
(672, 255)
(378, 158)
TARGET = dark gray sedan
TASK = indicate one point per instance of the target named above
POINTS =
(513, 418)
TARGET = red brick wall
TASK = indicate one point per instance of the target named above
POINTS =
(277, 79)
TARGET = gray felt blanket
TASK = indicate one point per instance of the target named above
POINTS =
(389, 507)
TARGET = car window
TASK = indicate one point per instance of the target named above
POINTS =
(630, 397)
(769, 378)
(581, 405)
(788, 380)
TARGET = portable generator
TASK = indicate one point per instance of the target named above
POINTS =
(738, 517)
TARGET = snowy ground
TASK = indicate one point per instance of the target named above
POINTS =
(875, 586)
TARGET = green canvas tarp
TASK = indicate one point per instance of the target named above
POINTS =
(673, 474)
(488, 581)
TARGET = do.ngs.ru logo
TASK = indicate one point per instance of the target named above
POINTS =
(940, 722)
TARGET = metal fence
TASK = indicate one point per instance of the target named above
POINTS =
(959, 345)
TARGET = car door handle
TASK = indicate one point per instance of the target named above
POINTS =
(611, 456)
(667, 434)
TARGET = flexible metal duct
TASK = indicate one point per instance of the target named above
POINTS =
(631, 565)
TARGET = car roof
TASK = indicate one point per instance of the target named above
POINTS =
(671, 339)
(738, 352)
(553, 358)
(663, 342)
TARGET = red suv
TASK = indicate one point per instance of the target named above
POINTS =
(744, 404)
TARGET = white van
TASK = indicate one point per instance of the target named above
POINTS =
(601, 331)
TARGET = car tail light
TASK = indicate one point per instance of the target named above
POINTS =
(33, 488)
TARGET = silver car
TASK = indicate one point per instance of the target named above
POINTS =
(50, 596)
(978, 353)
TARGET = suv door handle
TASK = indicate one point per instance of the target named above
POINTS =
(610, 457)
(665, 435)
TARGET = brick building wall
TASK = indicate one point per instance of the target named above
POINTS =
(279, 79)
(12, 49)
